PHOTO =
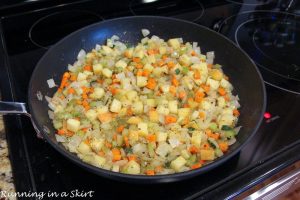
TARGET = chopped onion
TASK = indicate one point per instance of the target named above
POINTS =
(174, 142)
(195, 60)
(98, 47)
(195, 45)
(48, 99)
(231, 141)
(237, 129)
(210, 54)
(51, 114)
(145, 32)
(51, 83)
(60, 138)
(39, 95)
(120, 76)
(114, 37)
(81, 55)
(51, 106)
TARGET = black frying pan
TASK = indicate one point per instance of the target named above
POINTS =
(237, 65)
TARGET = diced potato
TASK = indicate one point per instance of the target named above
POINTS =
(98, 93)
(161, 136)
(151, 102)
(115, 168)
(216, 74)
(196, 138)
(163, 149)
(165, 88)
(99, 161)
(205, 105)
(151, 59)
(173, 106)
(202, 67)
(115, 106)
(207, 154)
(102, 109)
(225, 84)
(134, 120)
(153, 116)
(161, 109)
(81, 76)
(137, 107)
(162, 50)
(131, 95)
(132, 167)
(133, 136)
(178, 163)
(226, 119)
(107, 72)
(139, 53)
(185, 60)
(183, 112)
(121, 63)
(107, 50)
(73, 125)
(129, 53)
(213, 84)
(174, 43)
(185, 154)
(84, 148)
(141, 81)
(148, 67)
(88, 73)
(143, 128)
(91, 114)
(221, 102)
(96, 144)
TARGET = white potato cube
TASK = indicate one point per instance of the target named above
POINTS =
(162, 50)
(148, 67)
(107, 50)
(121, 63)
(102, 109)
(73, 125)
(183, 112)
(98, 93)
(131, 95)
(213, 83)
(165, 88)
(207, 154)
(115, 106)
(97, 144)
(81, 76)
(196, 138)
(153, 116)
(173, 106)
(205, 105)
(161, 136)
(174, 43)
(178, 163)
(91, 114)
(225, 84)
(151, 102)
(161, 109)
(221, 102)
(134, 120)
(107, 72)
(141, 81)
(132, 167)
(84, 148)
(185, 60)
(143, 128)
(99, 161)
(97, 68)
(137, 107)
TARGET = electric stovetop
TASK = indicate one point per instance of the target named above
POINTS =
(269, 31)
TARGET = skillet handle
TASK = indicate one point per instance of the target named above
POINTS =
(13, 108)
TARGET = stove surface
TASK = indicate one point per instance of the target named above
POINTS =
(267, 30)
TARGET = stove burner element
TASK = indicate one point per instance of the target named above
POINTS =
(272, 41)
(51, 28)
(251, 2)
(191, 10)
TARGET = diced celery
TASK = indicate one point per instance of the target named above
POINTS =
(213, 126)
(230, 134)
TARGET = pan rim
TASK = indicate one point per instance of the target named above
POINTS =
(156, 178)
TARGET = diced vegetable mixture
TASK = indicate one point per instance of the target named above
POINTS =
(159, 107)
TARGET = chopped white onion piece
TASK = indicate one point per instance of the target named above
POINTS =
(51, 83)
(48, 99)
(145, 32)
(231, 141)
(39, 95)
(81, 55)
(60, 138)
(51, 114)
(210, 54)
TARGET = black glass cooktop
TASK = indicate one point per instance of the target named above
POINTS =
(267, 30)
